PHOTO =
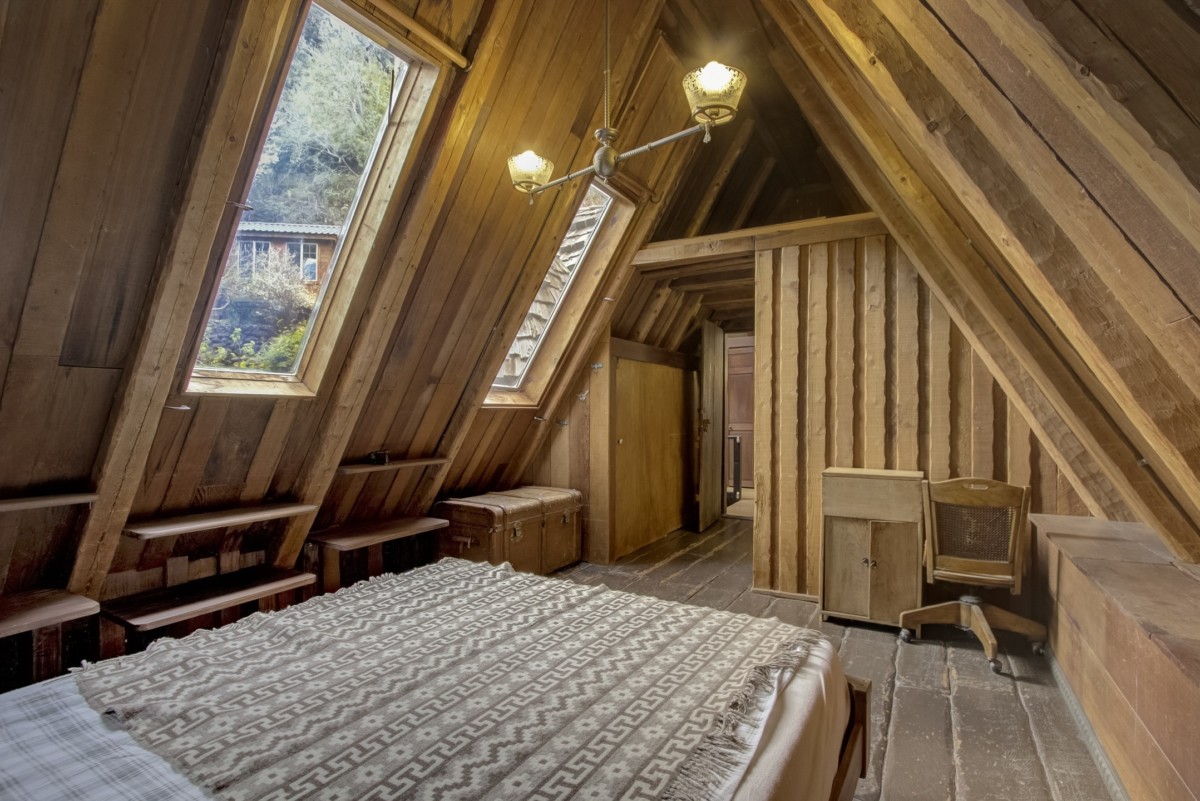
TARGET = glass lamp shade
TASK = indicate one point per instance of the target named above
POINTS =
(528, 170)
(713, 92)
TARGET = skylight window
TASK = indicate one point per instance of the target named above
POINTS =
(555, 287)
(340, 92)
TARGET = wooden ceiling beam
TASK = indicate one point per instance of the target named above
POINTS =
(689, 268)
(722, 280)
(1148, 200)
(743, 294)
(1003, 183)
(747, 241)
(1088, 448)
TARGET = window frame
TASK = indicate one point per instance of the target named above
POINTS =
(581, 298)
(393, 165)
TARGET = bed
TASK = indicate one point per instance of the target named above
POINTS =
(459, 680)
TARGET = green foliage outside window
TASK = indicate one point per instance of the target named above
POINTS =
(336, 98)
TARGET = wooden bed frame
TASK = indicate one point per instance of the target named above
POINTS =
(853, 755)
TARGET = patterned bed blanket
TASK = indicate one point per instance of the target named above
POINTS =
(457, 681)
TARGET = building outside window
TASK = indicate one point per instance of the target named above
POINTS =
(341, 90)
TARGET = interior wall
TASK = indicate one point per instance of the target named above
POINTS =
(859, 366)
(98, 107)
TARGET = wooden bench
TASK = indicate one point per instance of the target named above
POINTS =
(333, 542)
(149, 611)
(42, 613)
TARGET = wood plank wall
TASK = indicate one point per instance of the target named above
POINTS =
(503, 441)
(859, 366)
(216, 452)
(98, 104)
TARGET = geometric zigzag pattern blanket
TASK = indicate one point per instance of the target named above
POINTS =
(459, 680)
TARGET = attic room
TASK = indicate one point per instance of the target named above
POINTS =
(585, 399)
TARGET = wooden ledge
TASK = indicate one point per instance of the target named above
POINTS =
(184, 524)
(46, 501)
(362, 535)
(26, 611)
(147, 611)
(354, 468)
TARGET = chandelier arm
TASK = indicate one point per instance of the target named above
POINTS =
(666, 140)
(559, 181)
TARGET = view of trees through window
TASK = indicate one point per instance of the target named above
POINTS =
(336, 98)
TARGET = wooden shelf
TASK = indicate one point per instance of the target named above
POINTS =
(362, 535)
(26, 611)
(147, 611)
(399, 464)
(46, 501)
(184, 524)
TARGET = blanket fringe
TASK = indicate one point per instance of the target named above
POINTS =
(723, 751)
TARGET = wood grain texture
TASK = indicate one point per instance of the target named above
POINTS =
(651, 429)
(863, 393)
(1100, 459)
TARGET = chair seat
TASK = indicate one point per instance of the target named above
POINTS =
(974, 579)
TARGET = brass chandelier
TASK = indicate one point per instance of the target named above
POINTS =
(712, 91)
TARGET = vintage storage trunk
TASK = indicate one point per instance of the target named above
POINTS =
(561, 534)
(493, 528)
(535, 529)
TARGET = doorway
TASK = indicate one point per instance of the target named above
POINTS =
(739, 425)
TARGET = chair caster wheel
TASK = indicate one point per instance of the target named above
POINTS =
(1039, 648)
(995, 665)
(906, 635)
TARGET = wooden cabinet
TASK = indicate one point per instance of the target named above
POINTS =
(871, 544)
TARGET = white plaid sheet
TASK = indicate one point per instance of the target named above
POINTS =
(54, 747)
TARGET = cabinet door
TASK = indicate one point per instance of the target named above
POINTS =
(895, 570)
(847, 585)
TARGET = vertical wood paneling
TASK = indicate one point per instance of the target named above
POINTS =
(874, 352)
(904, 396)
(767, 312)
(815, 399)
(863, 368)
(789, 433)
(841, 357)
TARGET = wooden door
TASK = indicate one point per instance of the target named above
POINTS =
(710, 492)
(739, 405)
(651, 443)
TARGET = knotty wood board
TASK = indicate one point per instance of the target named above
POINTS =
(1115, 335)
(1083, 442)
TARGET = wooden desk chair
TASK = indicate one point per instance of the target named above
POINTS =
(976, 534)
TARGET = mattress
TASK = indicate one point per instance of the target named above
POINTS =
(717, 706)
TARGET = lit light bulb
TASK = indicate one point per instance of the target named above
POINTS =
(528, 161)
(714, 77)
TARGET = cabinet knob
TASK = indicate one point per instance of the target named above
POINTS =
(868, 562)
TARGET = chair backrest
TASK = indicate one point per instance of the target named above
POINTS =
(976, 531)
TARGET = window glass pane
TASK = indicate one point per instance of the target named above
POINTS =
(336, 99)
(554, 288)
